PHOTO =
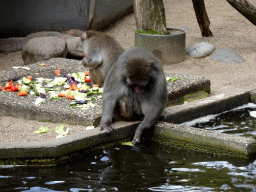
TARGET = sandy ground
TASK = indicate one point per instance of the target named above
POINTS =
(230, 30)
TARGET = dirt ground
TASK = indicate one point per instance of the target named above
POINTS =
(230, 30)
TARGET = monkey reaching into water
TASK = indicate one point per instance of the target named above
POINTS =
(100, 52)
(136, 83)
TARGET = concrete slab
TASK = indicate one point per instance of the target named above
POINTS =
(206, 140)
(60, 111)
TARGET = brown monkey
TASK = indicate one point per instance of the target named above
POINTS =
(136, 82)
(101, 51)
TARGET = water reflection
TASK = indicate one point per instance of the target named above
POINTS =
(123, 168)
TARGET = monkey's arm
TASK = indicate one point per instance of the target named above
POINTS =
(156, 105)
(109, 102)
(152, 116)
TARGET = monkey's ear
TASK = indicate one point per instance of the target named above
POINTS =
(84, 36)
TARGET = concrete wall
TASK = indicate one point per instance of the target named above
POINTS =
(21, 17)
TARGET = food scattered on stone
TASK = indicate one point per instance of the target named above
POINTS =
(43, 130)
(127, 143)
(60, 131)
(73, 86)
(173, 78)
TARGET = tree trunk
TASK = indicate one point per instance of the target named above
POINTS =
(245, 8)
(150, 15)
(202, 17)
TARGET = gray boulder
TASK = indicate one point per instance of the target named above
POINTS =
(74, 32)
(227, 55)
(48, 34)
(199, 50)
(12, 44)
(43, 48)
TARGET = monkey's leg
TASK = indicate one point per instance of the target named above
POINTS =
(150, 119)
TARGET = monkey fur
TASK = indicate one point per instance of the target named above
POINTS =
(137, 84)
(100, 53)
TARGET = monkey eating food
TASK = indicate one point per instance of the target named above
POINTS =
(137, 84)
(101, 51)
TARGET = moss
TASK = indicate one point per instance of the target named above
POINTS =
(150, 32)
(195, 96)
(163, 142)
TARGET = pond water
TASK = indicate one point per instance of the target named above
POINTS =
(152, 168)
(125, 168)
(239, 121)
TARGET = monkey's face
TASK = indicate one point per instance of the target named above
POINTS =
(138, 74)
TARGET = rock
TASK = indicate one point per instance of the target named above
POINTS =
(74, 47)
(49, 34)
(74, 32)
(43, 48)
(201, 49)
(12, 44)
(227, 55)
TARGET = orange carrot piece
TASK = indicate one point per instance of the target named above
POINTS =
(23, 93)
(86, 73)
(1, 88)
(61, 95)
(73, 87)
(96, 85)
(57, 72)
(29, 78)
(70, 96)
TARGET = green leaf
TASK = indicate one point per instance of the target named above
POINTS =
(127, 143)
(60, 130)
(42, 130)
(175, 78)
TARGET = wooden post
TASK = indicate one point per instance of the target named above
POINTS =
(245, 8)
(202, 17)
(150, 15)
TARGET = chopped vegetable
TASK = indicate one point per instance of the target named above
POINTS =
(57, 72)
(53, 89)
(60, 130)
(54, 96)
(70, 96)
(1, 88)
(173, 78)
(24, 88)
(29, 78)
(95, 85)
(127, 143)
(59, 81)
(39, 101)
(42, 130)
(86, 73)
(15, 88)
(38, 88)
(20, 67)
(26, 81)
(61, 95)
(73, 87)
(89, 127)
(8, 86)
(42, 95)
(22, 93)
(42, 64)
(87, 79)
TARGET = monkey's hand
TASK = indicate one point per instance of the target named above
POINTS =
(106, 128)
(137, 137)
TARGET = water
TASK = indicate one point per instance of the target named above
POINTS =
(151, 168)
(124, 168)
(239, 121)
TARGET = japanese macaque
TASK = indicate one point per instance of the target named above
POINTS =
(137, 85)
(100, 51)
